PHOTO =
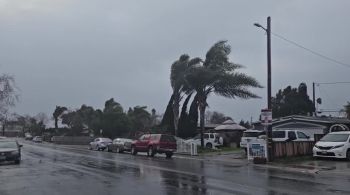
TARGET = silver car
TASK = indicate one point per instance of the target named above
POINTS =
(38, 139)
(120, 145)
(100, 143)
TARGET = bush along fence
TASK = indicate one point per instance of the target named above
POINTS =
(290, 149)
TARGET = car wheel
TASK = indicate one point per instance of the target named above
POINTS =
(209, 145)
(97, 148)
(17, 162)
(169, 154)
(133, 150)
(348, 155)
(150, 152)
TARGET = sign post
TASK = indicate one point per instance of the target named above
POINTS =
(256, 148)
(266, 120)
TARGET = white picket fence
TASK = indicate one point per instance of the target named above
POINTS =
(184, 147)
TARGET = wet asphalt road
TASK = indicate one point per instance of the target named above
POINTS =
(51, 170)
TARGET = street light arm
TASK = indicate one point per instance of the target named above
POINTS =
(259, 26)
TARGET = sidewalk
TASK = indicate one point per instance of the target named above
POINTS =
(228, 158)
(306, 166)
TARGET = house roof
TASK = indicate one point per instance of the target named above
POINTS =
(229, 125)
(316, 119)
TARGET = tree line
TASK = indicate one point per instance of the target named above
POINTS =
(111, 121)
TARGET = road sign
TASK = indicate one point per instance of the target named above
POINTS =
(266, 117)
(256, 148)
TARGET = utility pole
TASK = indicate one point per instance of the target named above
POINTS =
(268, 31)
(313, 97)
(270, 150)
(269, 107)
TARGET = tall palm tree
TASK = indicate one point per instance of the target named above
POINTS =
(58, 113)
(178, 84)
(216, 74)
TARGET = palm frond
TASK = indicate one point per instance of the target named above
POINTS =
(217, 56)
(177, 70)
(235, 85)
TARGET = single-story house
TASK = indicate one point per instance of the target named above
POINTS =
(12, 129)
(310, 125)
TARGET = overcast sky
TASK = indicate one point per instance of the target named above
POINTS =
(73, 52)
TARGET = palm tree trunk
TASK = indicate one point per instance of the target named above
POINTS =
(202, 105)
(56, 123)
(202, 113)
(176, 105)
(3, 128)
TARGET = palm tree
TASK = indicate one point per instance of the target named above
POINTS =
(177, 80)
(216, 74)
(57, 113)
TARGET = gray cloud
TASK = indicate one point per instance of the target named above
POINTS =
(65, 52)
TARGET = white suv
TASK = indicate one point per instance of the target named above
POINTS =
(250, 136)
(333, 145)
(289, 135)
(211, 140)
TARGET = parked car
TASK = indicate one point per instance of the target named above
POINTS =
(289, 135)
(333, 145)
(120, 145)
(10, 150)
(248, 136)
(153, 144)
(211, 140)
(100, 143)
(37, 139)
(28, 136)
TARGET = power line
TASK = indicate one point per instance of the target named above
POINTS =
(332, 83)
(312, 51)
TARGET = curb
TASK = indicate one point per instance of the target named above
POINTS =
(289, 169)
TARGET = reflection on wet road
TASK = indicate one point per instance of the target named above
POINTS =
(52, 170)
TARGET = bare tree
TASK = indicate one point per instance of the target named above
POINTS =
(8, 98)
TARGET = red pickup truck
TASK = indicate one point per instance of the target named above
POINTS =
(153, 144)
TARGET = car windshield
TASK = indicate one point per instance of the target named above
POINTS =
(251, 134)
(335, 138)
(278, 134)
(8, 144)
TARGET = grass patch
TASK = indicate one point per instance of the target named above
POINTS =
(218, 151)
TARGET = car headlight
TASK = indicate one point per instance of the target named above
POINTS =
(338, 146)
(316, 146)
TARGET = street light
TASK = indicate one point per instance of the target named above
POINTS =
(269, 126)
(258, 25)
